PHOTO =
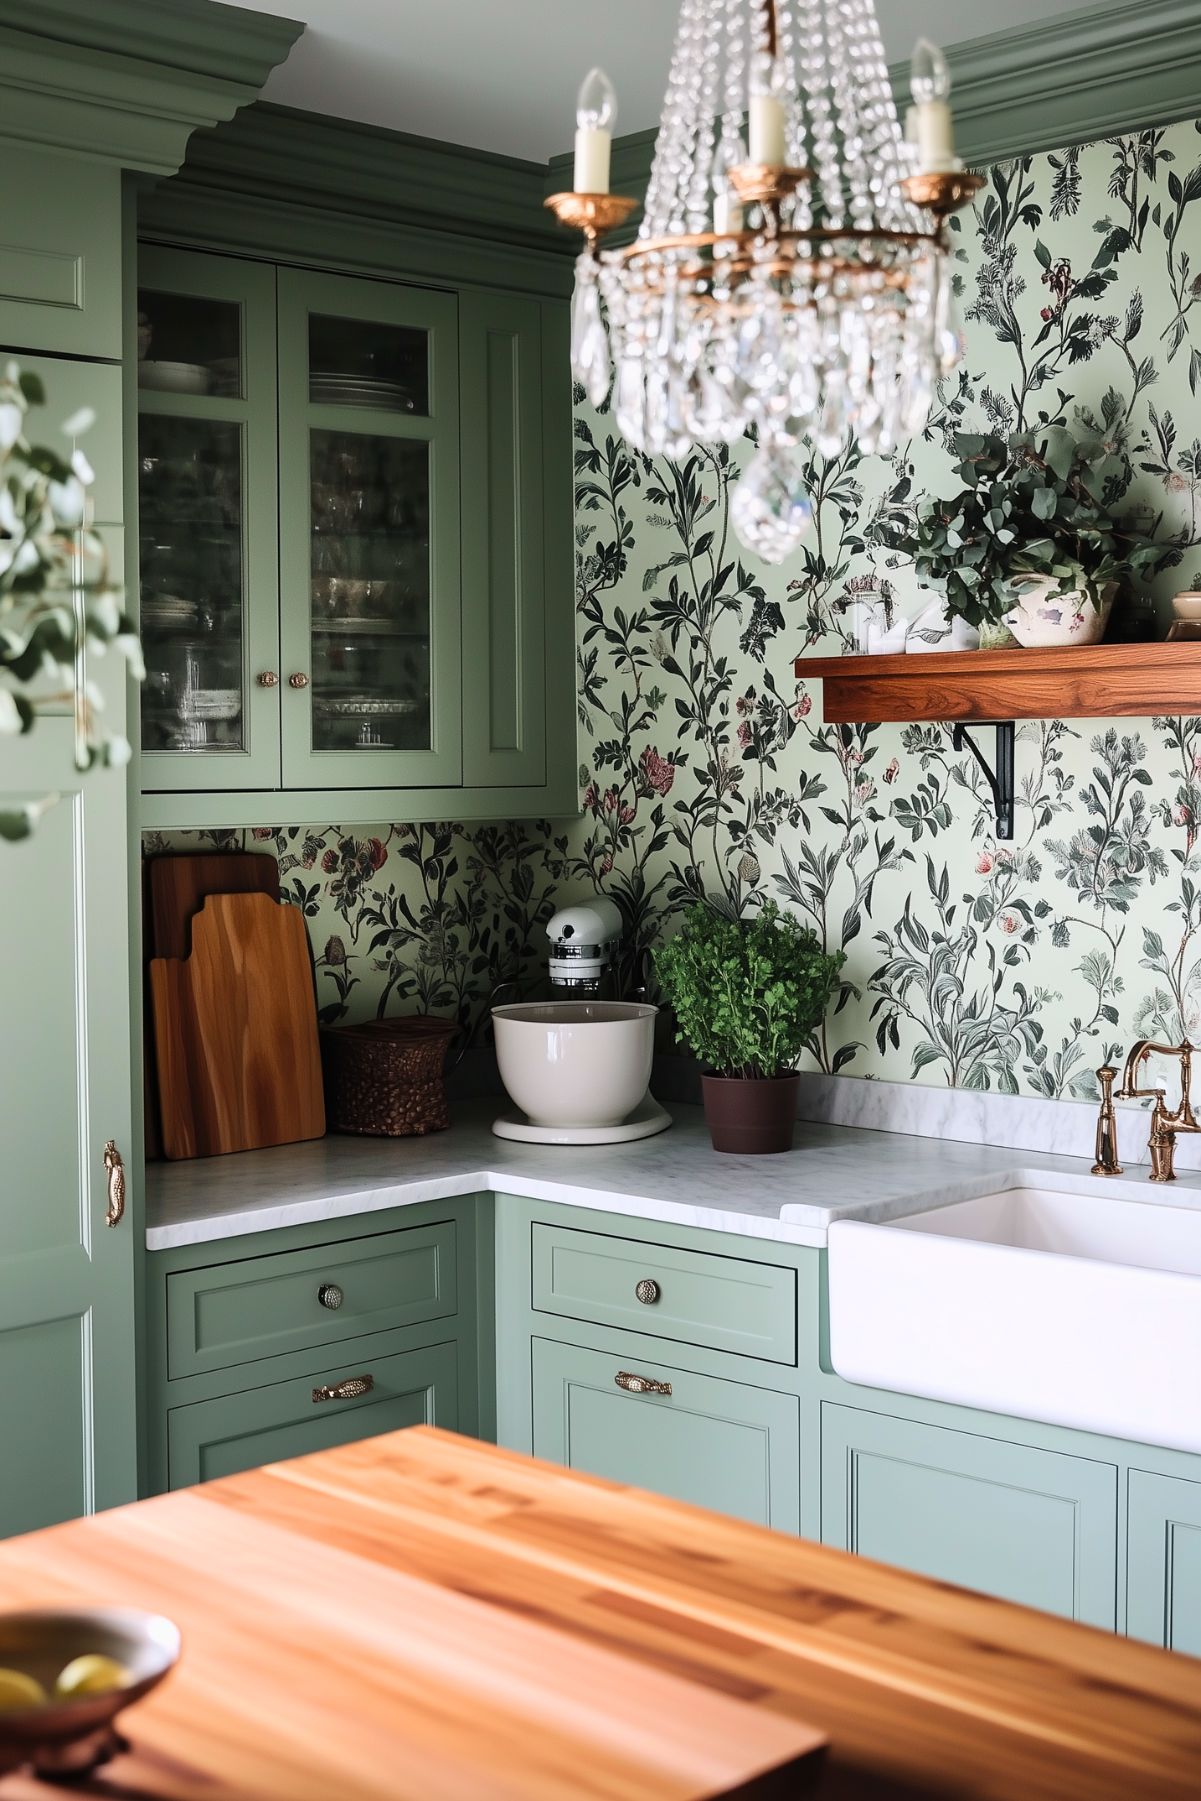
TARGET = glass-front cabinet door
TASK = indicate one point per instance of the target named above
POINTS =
(206, 378)
(369, 534)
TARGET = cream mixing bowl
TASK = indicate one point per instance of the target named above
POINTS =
(581, 1063)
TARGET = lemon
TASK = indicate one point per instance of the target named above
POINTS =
(91, 1674)
(19, 1690)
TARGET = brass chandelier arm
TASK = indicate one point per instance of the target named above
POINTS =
(746, 240)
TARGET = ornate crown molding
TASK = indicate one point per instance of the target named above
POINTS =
(126, 82)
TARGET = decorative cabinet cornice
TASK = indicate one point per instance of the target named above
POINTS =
(126, 82)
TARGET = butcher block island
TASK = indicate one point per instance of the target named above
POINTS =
(427, 1617)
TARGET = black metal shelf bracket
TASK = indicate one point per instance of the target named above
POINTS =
(999, 775)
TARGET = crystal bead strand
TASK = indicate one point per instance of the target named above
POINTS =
(845, 95)
(814, 76)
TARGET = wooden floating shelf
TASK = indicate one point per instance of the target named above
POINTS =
(1067, 682)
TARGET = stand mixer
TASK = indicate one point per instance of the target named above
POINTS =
(576, 1067)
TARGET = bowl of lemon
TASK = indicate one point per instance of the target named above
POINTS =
(65, 1675)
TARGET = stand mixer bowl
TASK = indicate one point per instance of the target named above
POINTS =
(575, 1063)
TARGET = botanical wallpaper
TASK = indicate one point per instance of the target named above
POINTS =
(405, 918)
(1010, 966)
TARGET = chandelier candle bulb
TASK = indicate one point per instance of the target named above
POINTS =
(595, 116)
(767, 130)
(930, 80)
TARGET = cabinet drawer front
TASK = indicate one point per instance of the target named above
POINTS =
(264, 1306)
(717, 1444)
(724, 1303)
(265, 1425)
(1033, 1526)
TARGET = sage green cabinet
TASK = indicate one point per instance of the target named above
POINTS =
(60, 261)
(207, 529)
(370, 631)
(695, 1297)
(720, 1444)
(67, 1377)
(1163, 1561)
(352, 582)
(240, 1311)
(289, 1419)
(1029, 1525)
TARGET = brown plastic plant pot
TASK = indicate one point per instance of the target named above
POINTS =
(752, 1115)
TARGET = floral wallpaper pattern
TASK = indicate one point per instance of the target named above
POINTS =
(1013, 966)
(403, 918)
(1010, 966)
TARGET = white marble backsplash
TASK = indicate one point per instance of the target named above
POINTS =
(956, 1115)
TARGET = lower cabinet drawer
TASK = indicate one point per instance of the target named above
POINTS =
(718, 1444)
(1163, 1562)
(265, 1425)
(237, 1312)
(1011, 1520)
(695, 1297)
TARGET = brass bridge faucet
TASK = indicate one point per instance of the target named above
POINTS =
(1164, 1125)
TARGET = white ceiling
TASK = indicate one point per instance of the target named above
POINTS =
(502, 75)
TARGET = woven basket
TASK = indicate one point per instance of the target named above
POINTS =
(385, 1079)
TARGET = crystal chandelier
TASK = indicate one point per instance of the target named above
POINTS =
(800, 288)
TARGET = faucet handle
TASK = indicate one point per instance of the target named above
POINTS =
(1107, 1126)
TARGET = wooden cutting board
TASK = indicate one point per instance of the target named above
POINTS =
(235, 1031)
(179, 886)
(175, 886)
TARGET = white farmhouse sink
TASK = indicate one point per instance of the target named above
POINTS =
(1079, 1308)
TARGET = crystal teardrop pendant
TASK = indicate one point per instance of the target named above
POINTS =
(589, 342)
(770, 504)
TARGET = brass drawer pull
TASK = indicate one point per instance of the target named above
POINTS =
(641, 1385)
(330, 1295)
(648, 1291)
(267, 679)
(349, 1390)
(299, 680)
(116, 1184)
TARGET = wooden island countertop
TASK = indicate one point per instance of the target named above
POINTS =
(421, 1616)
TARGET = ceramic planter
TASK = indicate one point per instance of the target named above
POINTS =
(1043, 616)
(753, 1115)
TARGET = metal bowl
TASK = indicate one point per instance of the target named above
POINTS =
(73, 1736)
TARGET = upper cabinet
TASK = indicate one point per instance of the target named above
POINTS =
(344, 541)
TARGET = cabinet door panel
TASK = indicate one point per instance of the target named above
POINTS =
(207, 522)
(60, 263)
(1163, 1564)
(717, 1444)
(67, 1441)
(369, 534)
(504, 605)
(1028, 1525)
(265, 1425)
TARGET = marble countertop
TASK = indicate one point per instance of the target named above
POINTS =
(834, 1172)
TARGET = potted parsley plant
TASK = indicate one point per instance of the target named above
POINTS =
(748, 995)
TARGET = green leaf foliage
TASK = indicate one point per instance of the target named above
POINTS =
(1030, 504)
(746, 993)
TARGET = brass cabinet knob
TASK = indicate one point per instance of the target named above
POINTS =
(648, 1291)
(349, 1390)
(641, 1385)
(116, 1184)
(267, 678)
(330, 1295)
(298, 680)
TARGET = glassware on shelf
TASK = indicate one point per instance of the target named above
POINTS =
(192, 611)
(369, 591)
